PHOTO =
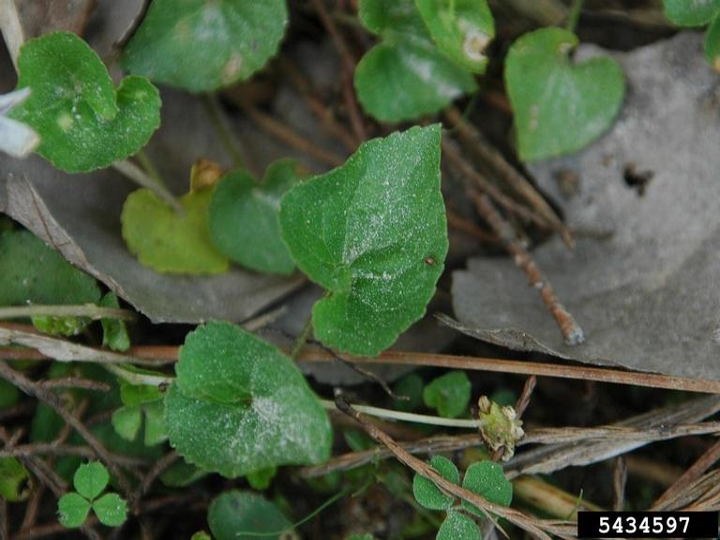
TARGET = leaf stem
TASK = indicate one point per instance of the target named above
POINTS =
(466, 423)
(147, 180)
(137, 379)
(301, 339)
(86, 310)
(215, 113)
(574, 14)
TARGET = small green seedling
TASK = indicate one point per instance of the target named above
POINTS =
(83, 121)
(142, 408)
(449, 394)
(486, 478)
(559, 106)
(373, 233)
(90, 481)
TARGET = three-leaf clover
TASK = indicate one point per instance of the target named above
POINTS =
(486, 478)
(449, 394)
(373, 233)
(90, 481)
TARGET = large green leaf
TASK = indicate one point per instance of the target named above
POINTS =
(243, 218)
(458, 526)
(33, 273)
(559, 106)
(84, 124)
(201, 46)
(462, 29)
(691, 12)
(405, 76)
(236, 512)
(240, 405)
(170, 241)
(373, 233)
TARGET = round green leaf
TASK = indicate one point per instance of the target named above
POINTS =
(458, 527)
(487, 478)
(110, 509)
(201, 46)
(33, 273)
(72, 510)
(372, 232)
(239, 405)
(559, 106)
(237, 512)
(83, 123)
(712, 43)
(405, 76)
(243, 218)
(127, 421)
(427, 493)
(461, 29)
(91, 479)
(169, 241)
(449, 394)
(691, 13)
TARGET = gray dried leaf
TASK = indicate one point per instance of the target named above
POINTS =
(643, 279)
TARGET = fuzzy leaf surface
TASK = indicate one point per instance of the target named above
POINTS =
(373, 233)
(111, 509)
(487, 478)
(559, 106)
(83, 122)
(427, 493)
(201, 46)
(243, 218)
(239, 405)
(458, 527)
(91, 479)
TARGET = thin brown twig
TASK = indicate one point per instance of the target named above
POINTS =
(53, 449)
(289, 137)
(480, 182)
(37, 391)
(703, 463)
(474, 141)
(535, 527)
(571, 330)
(619, 483)
(348, 69)
(158, 468)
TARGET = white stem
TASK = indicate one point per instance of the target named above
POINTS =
(140, 177)
(86, 310)
(466, 423)
(137, 379)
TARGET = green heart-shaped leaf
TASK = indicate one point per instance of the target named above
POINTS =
(691, 13)
(91, 479)
(83, 123)
(458, 527)
(449, 394)
(372, 232)
(73, 510)
(559, 107)
(201, 46)
(243, 218)
(427, 493)
(405, 76)
(462, 29)
(171, 241)
(487, 478)
(239, 405)
(111, 509)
